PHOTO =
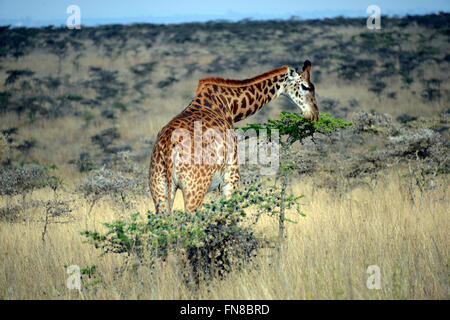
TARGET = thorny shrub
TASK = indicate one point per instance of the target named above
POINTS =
(123, 186)
(15, 180)
(210, 242)
(293, 127)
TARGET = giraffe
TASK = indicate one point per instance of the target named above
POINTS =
(218, 104)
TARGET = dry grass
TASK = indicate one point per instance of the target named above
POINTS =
(325, 256)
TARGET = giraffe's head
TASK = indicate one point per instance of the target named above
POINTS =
(300, 90)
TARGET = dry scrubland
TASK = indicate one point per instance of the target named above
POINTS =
(375, 194)
(326, 254)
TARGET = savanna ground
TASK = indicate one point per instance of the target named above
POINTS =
(375, 193)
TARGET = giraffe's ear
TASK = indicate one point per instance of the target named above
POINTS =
(307, 68)
(307, 65)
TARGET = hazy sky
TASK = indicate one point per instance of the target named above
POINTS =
(43, 12)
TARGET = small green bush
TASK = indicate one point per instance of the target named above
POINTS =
(210, 242)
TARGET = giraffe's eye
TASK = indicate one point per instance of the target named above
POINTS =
(305, 87)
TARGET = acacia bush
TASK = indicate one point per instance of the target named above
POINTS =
(14, 75)
(105, 83)
(22, 181)
(293, 127)
(212, 241)
(122, 186)
(296, 128)
(106, 138)
(17, 180)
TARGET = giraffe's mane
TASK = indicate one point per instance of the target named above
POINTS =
(239, 83)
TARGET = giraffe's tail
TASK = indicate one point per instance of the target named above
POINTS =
(160, 180)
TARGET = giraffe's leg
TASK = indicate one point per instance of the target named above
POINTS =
(230, 180)
(162, 190)
(194, 184)
(158, 189)
(193, 196)
(231, 169)
(163, 201)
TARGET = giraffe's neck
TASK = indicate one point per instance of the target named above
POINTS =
(243, 98)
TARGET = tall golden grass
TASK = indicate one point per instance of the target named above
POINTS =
(325, 256)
